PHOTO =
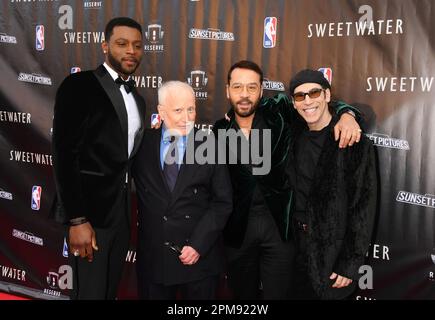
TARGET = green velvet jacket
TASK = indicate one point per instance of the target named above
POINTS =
(278, 115)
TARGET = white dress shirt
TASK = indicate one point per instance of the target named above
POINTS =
(131, 108)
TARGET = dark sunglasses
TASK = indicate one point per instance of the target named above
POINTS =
(313, 94)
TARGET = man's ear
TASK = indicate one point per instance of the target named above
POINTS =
(105, 47)
(328, 95)
(228, 91)
(161, 111)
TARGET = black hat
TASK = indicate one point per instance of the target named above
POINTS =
(308, 76)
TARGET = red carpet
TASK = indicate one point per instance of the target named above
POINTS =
(5, 296)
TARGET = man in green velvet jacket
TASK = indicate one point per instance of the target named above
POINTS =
(257, 236)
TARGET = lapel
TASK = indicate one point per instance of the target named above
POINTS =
(140, 102)
(247, 167)
(273, 121)
(115, 96)
(155, 150)
(186, 172)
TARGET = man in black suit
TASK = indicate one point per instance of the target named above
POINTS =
(97, 127)
(183, 205)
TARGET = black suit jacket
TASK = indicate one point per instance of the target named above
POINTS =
(193, 214)
(90, 147)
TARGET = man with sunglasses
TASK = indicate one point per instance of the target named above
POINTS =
(257, 234)
(334, 195)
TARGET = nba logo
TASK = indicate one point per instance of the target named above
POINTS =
(36, 198)
(269, 36)
(40, 37)
(155, 119)
(75, 69)
(65, 248)
(327, 73)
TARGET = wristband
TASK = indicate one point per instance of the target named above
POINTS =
(78, 221)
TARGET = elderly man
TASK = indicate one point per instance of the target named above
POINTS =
(183, 206)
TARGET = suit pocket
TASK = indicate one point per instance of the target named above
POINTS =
(92, 173)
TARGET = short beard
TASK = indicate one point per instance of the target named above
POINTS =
(117, 66)
(250, 112)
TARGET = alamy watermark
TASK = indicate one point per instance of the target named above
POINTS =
(225, 147)
(366, 280)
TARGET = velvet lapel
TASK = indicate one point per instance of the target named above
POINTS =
(232, 124)
(112, 90)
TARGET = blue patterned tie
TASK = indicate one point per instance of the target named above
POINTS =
(170, 170)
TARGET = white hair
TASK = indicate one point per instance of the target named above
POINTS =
(171, 87)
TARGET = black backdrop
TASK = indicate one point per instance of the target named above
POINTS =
(380, 55)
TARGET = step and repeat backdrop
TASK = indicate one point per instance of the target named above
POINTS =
(379, 56)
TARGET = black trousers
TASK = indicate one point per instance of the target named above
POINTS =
(301, 288)
(263, 260)
(204, 289)
(99, 279)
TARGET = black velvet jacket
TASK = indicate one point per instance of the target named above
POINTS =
(273, 186)
(341, 207)
(278, 115)
(90, 146)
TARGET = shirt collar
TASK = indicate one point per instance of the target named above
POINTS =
(112, 72)
(166, 135)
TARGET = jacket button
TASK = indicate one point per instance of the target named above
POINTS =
(187, 216)
(195, 191)
(165, 218)
(166, 243)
